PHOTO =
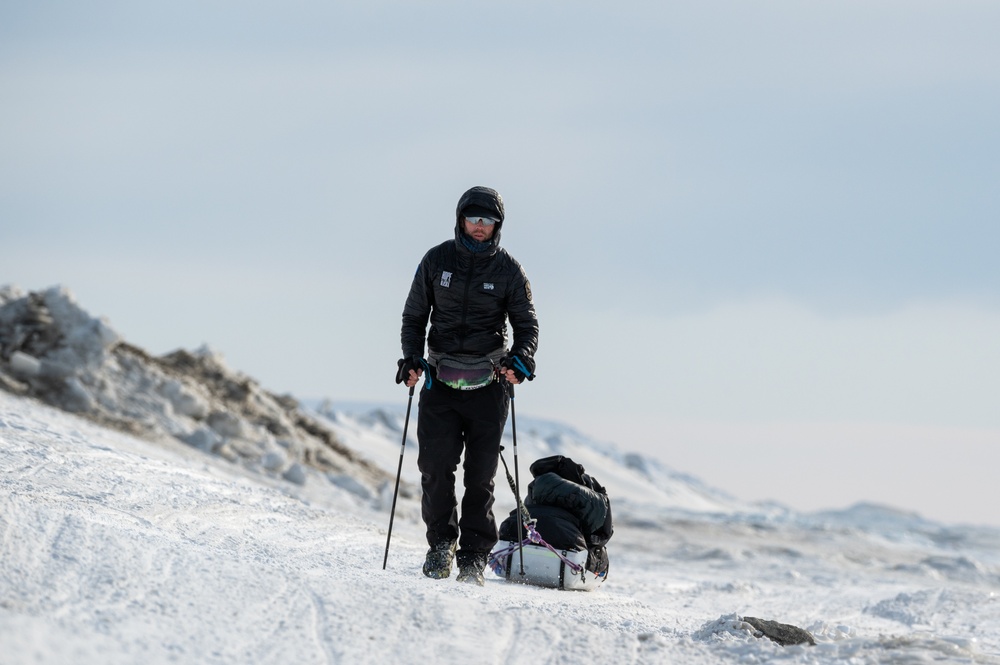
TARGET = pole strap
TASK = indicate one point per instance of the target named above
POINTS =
(428, 379)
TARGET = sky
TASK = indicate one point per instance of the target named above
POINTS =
(760, 235)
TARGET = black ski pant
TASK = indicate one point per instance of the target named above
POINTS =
(449, 422)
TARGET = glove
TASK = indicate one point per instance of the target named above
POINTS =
(523, 366)
(404, 365)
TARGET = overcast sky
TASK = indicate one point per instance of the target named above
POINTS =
(762, 236)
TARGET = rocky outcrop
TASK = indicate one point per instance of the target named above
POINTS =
(51, 349)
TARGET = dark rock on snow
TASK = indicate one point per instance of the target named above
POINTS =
(782, 633)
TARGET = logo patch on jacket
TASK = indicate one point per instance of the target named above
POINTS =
(446, 279)
(527, 289)
(488, 286)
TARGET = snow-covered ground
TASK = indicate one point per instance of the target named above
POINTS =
(115, 549)
(246, 527)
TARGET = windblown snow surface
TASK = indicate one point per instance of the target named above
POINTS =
(118, 549)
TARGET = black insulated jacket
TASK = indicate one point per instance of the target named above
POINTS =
(468, 297)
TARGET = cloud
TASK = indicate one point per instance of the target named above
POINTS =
(933, 364)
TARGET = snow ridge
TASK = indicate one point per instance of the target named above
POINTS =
(52, 349)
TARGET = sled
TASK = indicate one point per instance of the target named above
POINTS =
(544, 567)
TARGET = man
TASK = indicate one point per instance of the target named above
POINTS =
(468, 289)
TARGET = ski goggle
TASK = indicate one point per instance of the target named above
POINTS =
(481, 221)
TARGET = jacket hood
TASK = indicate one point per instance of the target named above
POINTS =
(481, 197)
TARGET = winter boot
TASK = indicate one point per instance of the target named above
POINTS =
(470, 567)
(437, 565)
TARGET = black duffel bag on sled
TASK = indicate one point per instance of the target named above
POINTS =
(565, 539)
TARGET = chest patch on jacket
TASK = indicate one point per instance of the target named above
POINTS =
(488, 286)
(446, 279)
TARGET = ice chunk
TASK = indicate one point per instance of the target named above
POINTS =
(184, 400)
(272, 461)
(202, 438)
(25, 365)
(226, 424)
(351, 484)
(295, 474)
(76, 397)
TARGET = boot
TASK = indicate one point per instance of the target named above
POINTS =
(437, 565)
(470, 567)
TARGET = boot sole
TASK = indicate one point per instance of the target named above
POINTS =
(438, 574)
(471, 578)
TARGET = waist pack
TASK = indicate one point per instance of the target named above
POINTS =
(465, 373)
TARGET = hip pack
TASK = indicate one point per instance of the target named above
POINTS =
(465, 373)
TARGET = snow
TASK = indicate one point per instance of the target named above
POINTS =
(122, 550)
(170, 526)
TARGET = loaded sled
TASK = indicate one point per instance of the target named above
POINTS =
(540, 564)
(565, 526)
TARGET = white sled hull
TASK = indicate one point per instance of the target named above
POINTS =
(544, 568)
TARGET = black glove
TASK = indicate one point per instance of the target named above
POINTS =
(523, 366)
(416, 363)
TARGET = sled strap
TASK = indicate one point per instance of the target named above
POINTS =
(537, 539)
(534, 538)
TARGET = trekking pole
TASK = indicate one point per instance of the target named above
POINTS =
(517, 479)
(399, 472)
